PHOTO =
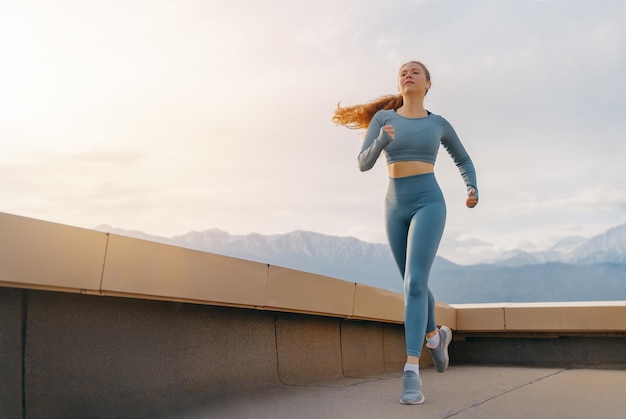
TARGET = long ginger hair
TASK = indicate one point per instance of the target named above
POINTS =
(360, 116)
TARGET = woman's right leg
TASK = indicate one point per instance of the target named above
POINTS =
(413, 225)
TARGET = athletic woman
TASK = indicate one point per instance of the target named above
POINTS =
(409, 136)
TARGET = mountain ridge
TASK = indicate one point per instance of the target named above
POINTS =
(574, 269)
(609, 246)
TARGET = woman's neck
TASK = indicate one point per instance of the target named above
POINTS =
(412, 108)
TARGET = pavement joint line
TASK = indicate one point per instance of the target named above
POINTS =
(503, 393)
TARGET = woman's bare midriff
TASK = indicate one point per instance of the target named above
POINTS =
(409, 168)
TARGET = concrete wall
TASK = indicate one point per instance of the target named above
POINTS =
(11, 318)
(49, 256)
(559, 334)
(562, 350)
(99, 356)
(99, 325)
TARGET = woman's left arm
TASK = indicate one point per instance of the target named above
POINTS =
(463, 162)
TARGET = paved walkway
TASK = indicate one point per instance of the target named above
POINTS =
(462, 392)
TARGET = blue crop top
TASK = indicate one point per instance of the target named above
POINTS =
(415, 139)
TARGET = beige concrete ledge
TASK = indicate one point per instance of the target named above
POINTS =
(302, 292)
(43, 255)
(445, 315)
(589, 316)
(376, 303)
(575, 316)
(48, 256)
(479, 317)
(137, 267)
(39, 254)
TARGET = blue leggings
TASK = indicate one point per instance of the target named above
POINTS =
(415, 213)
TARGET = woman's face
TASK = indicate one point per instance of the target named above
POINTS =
(412, 78)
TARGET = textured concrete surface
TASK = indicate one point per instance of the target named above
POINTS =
(309, 348)
(394, 348)
(542, 349)
(11, 311)
(66, 355)
(90, 356)
(362, 344)
(463, 392)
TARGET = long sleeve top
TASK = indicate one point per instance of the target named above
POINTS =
(415, 139)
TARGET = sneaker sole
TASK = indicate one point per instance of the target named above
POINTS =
(411, 402)
(445, 346)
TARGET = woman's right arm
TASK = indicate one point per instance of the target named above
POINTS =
(375, 141)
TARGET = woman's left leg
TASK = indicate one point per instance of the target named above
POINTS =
(424, 236)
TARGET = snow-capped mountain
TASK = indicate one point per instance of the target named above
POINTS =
(609, 246)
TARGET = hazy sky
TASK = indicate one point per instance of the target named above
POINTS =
(171, 116)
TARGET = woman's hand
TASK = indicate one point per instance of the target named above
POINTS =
(389, 130)
(472, 200)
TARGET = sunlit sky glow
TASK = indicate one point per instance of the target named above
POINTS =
(172, 116)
